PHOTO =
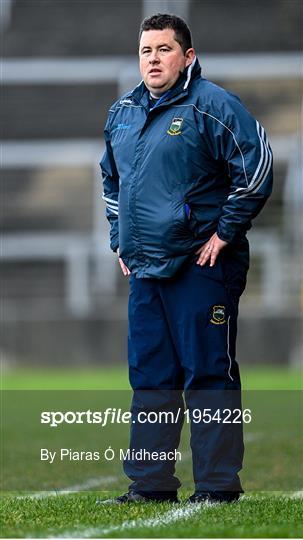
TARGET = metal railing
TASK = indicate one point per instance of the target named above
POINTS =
(124, 71)
(74, 249)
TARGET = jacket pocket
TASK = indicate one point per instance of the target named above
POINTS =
(188, 216)
(179, 237)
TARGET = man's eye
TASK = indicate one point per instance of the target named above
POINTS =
(163, 49)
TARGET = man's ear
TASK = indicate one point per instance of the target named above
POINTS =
(189, 56)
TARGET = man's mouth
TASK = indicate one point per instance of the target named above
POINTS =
(154, 71)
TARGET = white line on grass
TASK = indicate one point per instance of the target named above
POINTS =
(167, 518)
(262, 495)
(297, 494)
(90, 483)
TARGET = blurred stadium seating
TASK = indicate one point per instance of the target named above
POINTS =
(64, 63)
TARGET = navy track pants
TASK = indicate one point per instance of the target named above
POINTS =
(182, 334)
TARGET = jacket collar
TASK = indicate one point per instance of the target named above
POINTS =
(180, 88)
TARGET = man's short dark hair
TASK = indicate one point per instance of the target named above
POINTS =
(161, 21)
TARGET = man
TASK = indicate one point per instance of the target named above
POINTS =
(185, 170)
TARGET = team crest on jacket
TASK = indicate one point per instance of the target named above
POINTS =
(175, 127)
(218, 315)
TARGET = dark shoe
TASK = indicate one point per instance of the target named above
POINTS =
(136, 497)
(214, 497)
(129, 497)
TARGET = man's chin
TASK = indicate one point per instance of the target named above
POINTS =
(157, 87)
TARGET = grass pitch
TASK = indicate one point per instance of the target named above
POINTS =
(272, 476)
(256, 516)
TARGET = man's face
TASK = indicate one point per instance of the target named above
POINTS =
(161, 60)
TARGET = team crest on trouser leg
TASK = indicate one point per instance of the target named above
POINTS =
(218, 315)
(175, 127)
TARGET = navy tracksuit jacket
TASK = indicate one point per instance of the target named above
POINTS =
(194, 164)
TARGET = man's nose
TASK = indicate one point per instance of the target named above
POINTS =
(154, 58)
